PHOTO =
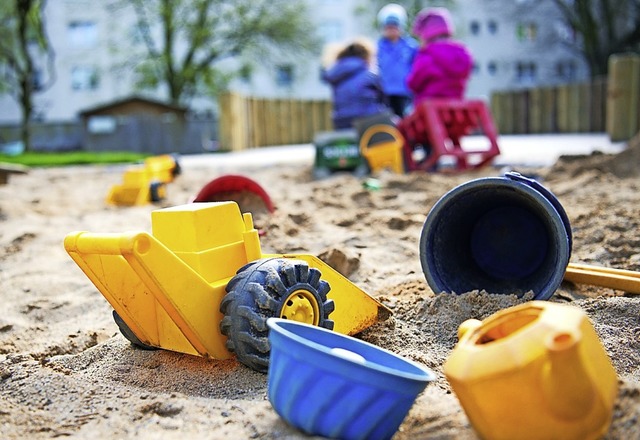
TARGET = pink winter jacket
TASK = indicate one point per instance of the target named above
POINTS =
(440, 70)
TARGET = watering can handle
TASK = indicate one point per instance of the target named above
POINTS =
(379, 128)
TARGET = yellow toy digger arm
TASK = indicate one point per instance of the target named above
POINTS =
(162, 300)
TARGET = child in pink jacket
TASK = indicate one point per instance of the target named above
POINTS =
(442, 65)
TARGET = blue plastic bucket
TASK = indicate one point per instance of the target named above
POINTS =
(506, 235)
(336, 386)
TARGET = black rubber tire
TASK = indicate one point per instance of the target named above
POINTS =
(129, 335)
(177, 169)
(259, 291)
(154, 191)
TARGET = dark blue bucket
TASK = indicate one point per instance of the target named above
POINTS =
(506, 235)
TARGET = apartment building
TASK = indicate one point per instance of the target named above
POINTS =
(515, 43)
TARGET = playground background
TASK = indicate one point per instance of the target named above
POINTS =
(65, 371)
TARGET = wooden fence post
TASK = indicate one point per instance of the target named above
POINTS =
(623, 94)
(549, 110)
(583, 111)
(542, 110)
(536, 110)
(563, 100)
(521, 108)
(502, 111)
(598, 105)
(234, 133)
(224, 129)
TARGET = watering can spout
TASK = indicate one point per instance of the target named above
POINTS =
(569, 391)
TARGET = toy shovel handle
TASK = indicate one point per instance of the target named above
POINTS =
(618, 279)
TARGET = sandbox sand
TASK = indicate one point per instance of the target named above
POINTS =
(65, 370)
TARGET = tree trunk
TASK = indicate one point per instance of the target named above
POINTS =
(23, 8)
(27, 108)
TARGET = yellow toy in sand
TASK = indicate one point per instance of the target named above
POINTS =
(536, 370)
(385, 154)
(200, 284)
(146, 183)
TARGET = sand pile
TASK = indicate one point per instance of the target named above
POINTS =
(66, 371)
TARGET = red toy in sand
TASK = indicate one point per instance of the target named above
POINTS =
(230, 187)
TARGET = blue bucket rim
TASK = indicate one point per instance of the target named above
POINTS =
(514, 180)
(551, 197)
(427, 376)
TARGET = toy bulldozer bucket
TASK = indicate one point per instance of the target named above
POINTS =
(384, 154)
(168, 287)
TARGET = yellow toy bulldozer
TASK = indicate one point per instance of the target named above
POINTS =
(200, 284)
(145, 183)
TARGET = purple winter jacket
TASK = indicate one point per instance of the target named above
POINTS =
(440, 70)
(356, 91)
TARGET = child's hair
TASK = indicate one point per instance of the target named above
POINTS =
(360, 47)
(355, 50)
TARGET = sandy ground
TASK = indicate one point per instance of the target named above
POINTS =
(65, 371)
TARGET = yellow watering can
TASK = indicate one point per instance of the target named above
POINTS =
(536, 370)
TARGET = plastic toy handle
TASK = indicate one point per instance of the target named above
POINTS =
(379, 128)
(618, 279)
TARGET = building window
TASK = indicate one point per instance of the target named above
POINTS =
(527, 31)
(284, 75)
(82, 34)
(84, 78)
(474, 27)
(101, 124)
(476, 68)
(492, 27)
(566, 70)
(526, 72)
(492, 68)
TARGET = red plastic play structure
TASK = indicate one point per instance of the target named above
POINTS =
(439, 125)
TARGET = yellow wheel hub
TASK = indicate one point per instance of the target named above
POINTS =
(301, 306)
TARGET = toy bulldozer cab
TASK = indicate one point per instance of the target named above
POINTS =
(200, 284)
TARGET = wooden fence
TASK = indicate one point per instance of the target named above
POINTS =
(570, 108)
(247, 122)
(610, 105)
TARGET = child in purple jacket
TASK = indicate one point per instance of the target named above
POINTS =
(442, 65)
(356, 90)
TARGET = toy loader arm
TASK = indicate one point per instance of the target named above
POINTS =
(355, 309)
(163, 301)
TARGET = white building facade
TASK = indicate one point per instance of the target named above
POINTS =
(515, 44)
